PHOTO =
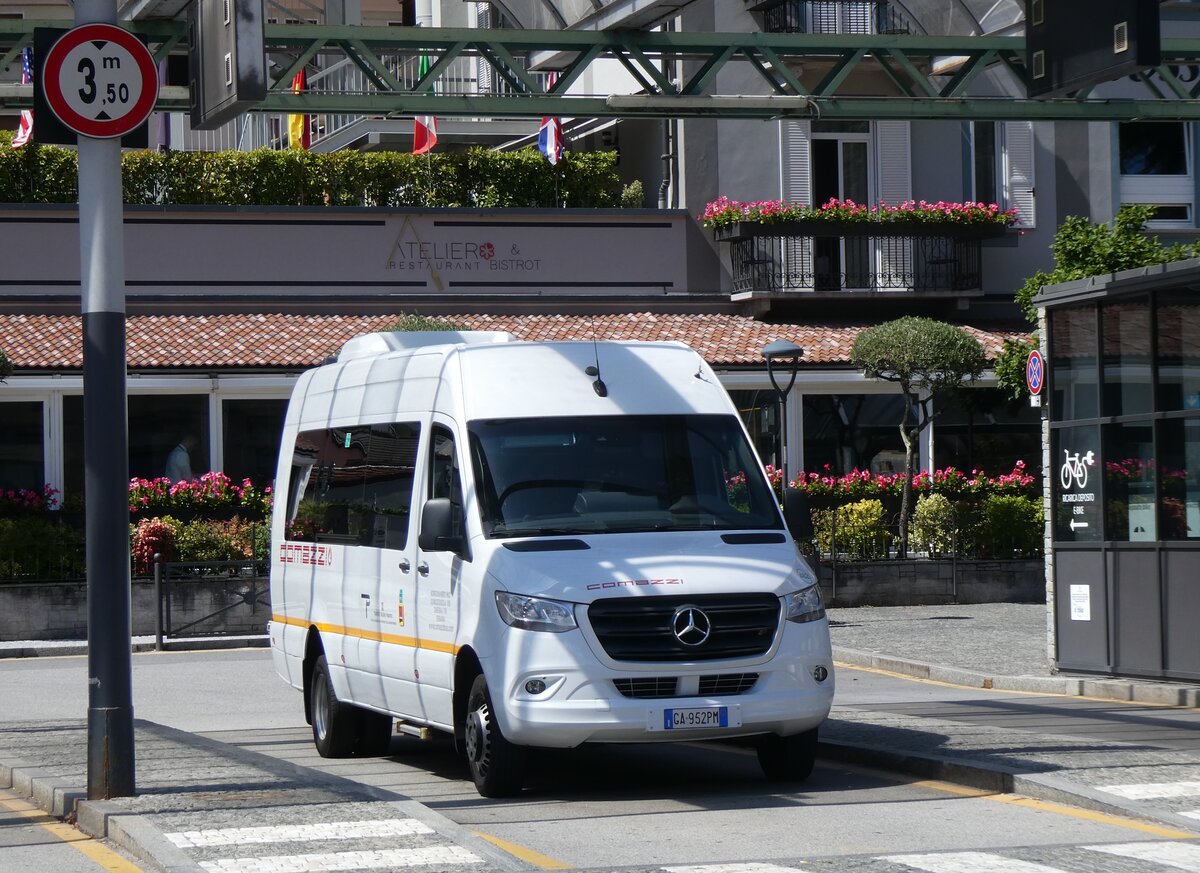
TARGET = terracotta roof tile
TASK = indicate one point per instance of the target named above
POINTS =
(283, 341)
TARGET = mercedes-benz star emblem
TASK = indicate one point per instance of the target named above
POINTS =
(691, 626)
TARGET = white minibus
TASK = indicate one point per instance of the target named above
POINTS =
(528, 544)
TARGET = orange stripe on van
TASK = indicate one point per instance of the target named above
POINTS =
(372, 636)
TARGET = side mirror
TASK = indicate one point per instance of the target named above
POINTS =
(438, 527)
(797, 515)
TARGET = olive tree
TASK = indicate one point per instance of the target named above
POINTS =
(6, 367)
(927, 359)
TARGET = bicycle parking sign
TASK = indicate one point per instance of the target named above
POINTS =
(1073, 476)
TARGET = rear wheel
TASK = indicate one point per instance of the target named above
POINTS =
(334, 723)
(497, 766)
(788, 759)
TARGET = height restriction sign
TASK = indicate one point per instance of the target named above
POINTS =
(100, 80)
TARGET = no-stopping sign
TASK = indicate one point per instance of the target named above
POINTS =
(100, 80)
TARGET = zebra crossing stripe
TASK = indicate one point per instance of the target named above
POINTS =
(748, 867)
(1153, 790)
(328, 863)
(307, 833)
(968, 862)
(1181, 856)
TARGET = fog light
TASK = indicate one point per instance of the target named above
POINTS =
(535, 686)
(820, 673)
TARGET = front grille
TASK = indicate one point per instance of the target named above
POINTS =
(727, 683)
(721, 684)
(639, 628)
(651, 686)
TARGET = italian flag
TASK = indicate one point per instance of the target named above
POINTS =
(424, 126)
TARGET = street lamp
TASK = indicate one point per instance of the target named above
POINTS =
(783, 353)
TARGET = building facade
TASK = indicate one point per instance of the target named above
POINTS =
(1044, 171)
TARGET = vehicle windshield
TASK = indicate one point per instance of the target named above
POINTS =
(618, 474)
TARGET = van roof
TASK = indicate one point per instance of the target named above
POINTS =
(372, 344)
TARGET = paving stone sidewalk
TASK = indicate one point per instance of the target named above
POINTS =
(200, 800)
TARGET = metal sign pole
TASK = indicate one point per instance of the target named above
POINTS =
(106, 455)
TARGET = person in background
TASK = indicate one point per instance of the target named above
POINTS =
(179, 461)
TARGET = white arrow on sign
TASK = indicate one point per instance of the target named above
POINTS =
(1078, 524)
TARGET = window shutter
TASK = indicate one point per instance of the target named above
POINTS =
(1018, 171)
(483, 70)
(859, 17)
(893, 155)
(823, 17)
(795, 270)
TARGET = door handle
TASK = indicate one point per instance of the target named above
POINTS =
(423, 568)
(404, 565)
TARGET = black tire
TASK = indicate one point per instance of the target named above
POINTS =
(788, 759)
(497, 766)
(334, 724)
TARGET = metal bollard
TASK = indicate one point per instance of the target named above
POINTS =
(158, 603)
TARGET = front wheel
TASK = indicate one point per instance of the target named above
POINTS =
(497, 766)
(788, 759)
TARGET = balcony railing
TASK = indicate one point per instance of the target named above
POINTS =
(833, 16)
(824, 258)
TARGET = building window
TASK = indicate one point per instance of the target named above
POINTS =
(1156, 169)
(22, 446)
(250, 432)
(157, 422)
(1129, 478)
(1179, 439)
(985, 162)
(759, 410)
(1073, 364)
(1000, 167)
(846, 432)
(1178, 336)
(984, 429)
(1128, 381)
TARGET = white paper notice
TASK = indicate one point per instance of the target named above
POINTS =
(1081, 603)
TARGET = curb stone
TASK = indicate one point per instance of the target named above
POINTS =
(105, 820)
(1145, 691)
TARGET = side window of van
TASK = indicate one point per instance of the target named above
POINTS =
(392, 461)
(444, 479)
(353, 485)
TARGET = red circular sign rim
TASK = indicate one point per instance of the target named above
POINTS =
(1035, 355)
(115, 127)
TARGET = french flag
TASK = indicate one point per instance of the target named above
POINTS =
(550, 134)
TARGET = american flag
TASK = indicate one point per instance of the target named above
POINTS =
(25, 130)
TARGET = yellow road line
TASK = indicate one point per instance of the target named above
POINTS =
(545, 862)
(105, 857)
(1105, 818)
(943, 684)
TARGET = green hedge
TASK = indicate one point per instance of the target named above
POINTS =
(477, 178)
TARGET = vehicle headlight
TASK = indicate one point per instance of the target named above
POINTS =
(804, 605)
(535, 613)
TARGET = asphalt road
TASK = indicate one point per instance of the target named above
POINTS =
(637, 807)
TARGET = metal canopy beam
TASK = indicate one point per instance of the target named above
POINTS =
(805, 75)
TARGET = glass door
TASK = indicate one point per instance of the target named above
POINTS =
(841, 171)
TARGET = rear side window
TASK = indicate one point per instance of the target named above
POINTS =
(353, 486)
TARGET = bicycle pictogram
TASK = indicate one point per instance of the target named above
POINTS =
(1075, 468)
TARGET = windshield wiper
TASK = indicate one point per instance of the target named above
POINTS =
(501, 530)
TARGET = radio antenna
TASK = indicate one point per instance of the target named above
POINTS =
(598, 385)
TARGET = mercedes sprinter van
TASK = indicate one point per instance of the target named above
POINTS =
(528, 544)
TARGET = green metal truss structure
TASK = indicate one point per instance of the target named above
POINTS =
(840, 77)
